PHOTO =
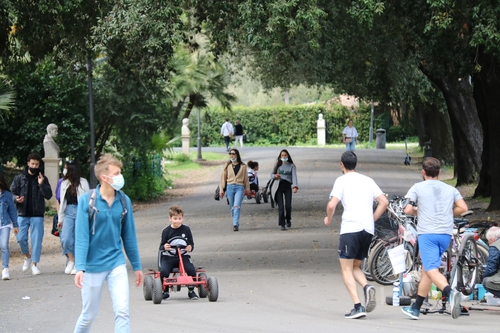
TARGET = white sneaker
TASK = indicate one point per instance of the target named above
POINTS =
(27, 264)
(73, 271)
(69, 267)
(35, 270)
(5, 274)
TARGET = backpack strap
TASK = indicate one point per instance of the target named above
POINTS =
(93, 209)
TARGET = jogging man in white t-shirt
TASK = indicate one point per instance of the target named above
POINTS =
(356, 192)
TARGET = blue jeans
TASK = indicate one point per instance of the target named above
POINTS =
(234, 194)
(36, 226)
(117, 280)
(4, 246)
(351, 145)
(68, 230)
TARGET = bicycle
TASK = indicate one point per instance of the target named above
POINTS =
(379, 263)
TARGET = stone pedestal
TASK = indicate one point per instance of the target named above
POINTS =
(185, 134)
(52, 173)
(321, 130)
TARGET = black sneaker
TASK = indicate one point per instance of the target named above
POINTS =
(192, 295)
(355, 314)
(165, 295)
(289, 223)
(283, 228)
(370, 302)
(235, 228)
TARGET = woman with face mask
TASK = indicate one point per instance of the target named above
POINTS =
(72, 187)
(234, 182)
(285, 181)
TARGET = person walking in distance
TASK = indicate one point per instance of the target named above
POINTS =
(437, 204)
(104, 227)
(350, 136)
(227, 132)
(72, 188)
(238, 133)
(234, 183)
(8, 220)
(30, 189)
(285, 175)
(357, 193)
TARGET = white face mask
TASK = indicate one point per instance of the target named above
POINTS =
(118, 182)
(233, 159)
(65, 171)
(284, 159)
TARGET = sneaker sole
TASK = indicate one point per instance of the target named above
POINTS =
(356, 316)
(409, 314)
(455, 305)
(371, 303)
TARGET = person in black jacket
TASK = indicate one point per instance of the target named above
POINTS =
(177, 234)
(30, 189)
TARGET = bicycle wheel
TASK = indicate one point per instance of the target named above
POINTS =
(465, 266)
(365, 265)
(380, 263)
(482, 254)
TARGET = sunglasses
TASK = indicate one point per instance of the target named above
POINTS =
(232, 153)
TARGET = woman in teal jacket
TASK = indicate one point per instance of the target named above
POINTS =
(8, 220)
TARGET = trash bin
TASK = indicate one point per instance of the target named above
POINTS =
(380, 138)
(427, 149)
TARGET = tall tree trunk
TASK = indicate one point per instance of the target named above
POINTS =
(421, 124)
(465, 125)
(488, 94)
(440, 134)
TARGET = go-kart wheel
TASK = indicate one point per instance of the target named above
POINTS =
(157, 291)
(202, 289)
(265, 197)
(213, 289)
(257, 197)
(147, 287)
(159, 259)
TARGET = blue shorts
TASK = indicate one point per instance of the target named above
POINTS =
(355, 245)
(432, 247)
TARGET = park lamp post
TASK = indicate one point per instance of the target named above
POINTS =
(199, 136)
(371, 125)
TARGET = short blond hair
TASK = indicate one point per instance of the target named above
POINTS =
(102, 166)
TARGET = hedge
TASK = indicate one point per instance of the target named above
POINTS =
(281, 125)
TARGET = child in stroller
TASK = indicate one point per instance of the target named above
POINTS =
(255, 192)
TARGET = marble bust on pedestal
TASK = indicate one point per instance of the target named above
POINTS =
(49, 145)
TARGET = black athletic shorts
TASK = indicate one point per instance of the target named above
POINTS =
(354, 245)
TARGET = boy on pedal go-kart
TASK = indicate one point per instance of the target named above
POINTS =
(176, 234)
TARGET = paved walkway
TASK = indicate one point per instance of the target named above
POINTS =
(269, 280)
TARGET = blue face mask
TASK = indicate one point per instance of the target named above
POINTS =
(284, 159)
(118, 182)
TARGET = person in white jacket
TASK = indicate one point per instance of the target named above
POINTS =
(227, 132)
(72, 187)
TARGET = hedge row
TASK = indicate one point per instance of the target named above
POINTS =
(281, 125)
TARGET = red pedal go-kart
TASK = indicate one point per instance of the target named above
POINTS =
(153, 287)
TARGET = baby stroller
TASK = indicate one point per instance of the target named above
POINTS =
(267, 191)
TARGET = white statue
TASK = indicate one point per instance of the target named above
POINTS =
(49, 145)
(185, 129)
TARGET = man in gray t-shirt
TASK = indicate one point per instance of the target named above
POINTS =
(437, 203)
